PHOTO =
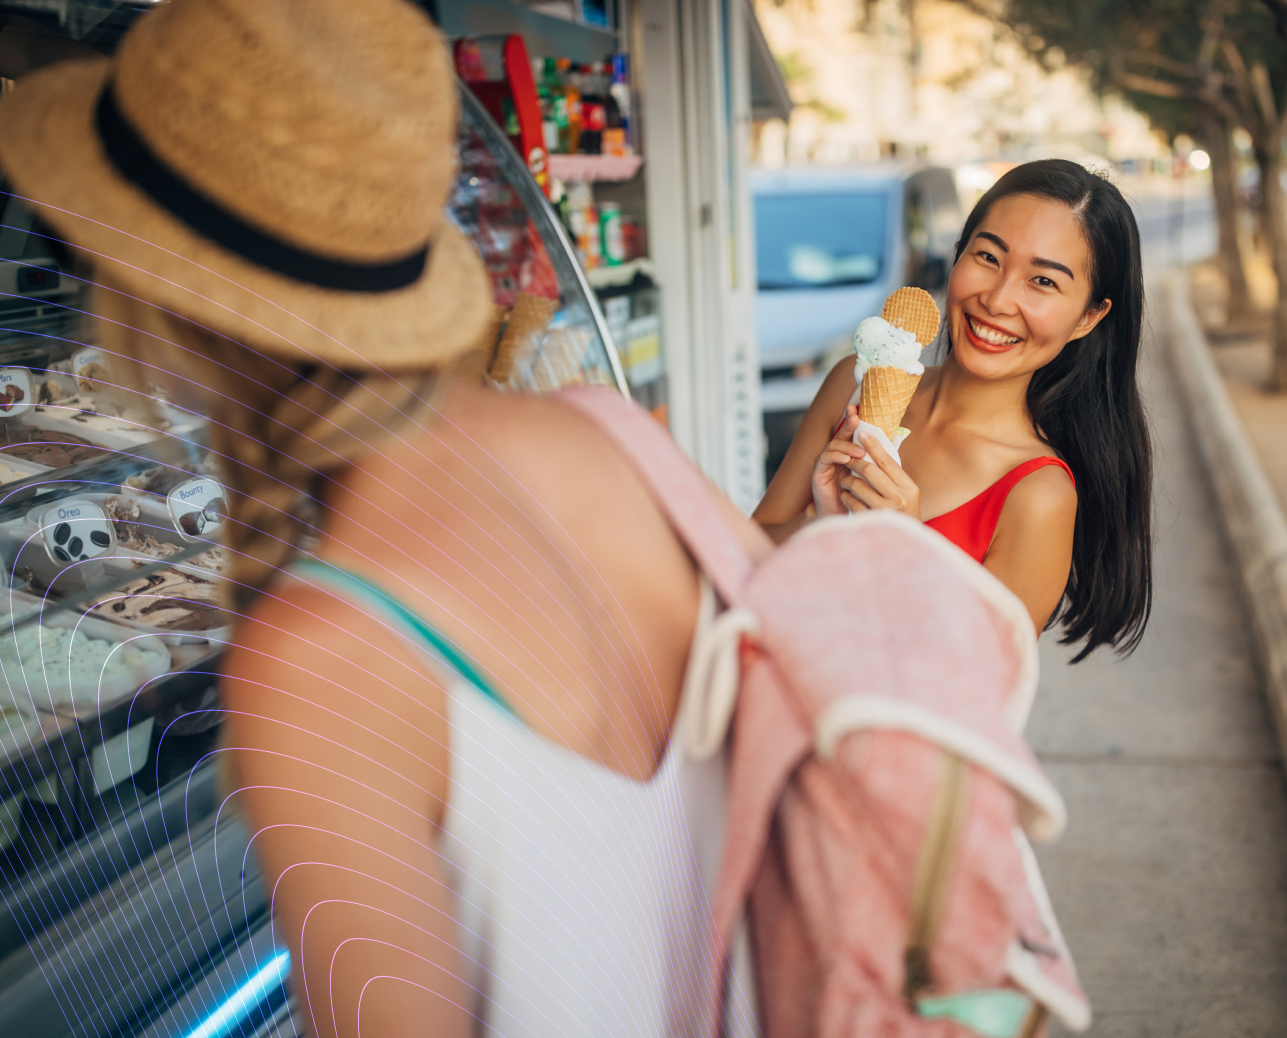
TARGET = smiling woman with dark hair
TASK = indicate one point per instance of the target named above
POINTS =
(1030, 447)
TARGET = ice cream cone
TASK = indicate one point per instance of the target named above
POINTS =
(886, 392)
(913, 310)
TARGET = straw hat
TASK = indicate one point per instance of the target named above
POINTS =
(274, 169)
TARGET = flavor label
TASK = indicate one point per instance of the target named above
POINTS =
(16, 392)
(197, 508)
(90, 366)
(75, 530)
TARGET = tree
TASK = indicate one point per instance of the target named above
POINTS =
(1213, 132)
(1222, 63)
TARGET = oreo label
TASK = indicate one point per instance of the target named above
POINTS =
(74, 531)
(198, 508)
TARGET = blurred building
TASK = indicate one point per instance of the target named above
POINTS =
(933, 80)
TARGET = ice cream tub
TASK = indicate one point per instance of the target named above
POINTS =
(13, 470)
(99, 429)
(180, 603)
(140, 528)
(70, 665)
(180, 606)
(31, 439)
(146, 530)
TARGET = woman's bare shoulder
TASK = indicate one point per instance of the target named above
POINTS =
(577, 456)
(1048, 493)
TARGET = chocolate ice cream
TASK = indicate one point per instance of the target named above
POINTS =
(45, 446)
(134, 536)
(169, 601)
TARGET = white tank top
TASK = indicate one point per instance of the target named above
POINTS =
(582, 896)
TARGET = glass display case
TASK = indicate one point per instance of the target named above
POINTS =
(564, 84)
(129, 902)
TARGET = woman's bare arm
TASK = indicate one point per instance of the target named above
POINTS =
(337, 744)
(1031, 553)
(782, 510)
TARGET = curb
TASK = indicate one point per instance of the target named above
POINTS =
(1249, 509)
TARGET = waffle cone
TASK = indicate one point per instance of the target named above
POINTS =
(528, 320)
(913, 310)
(886, 392)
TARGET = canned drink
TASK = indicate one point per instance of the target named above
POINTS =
(614, 246)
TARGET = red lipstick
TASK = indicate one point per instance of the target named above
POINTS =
(988, 347)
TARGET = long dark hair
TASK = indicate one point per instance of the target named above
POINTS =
(1085, 404)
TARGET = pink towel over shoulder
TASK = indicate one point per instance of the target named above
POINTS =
(880, 787)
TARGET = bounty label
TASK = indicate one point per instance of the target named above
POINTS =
(16, 392)
(75, 530)
(197, 508)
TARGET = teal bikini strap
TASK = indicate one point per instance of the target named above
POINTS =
(363, 592)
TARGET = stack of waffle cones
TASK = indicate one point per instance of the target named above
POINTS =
(886, 391)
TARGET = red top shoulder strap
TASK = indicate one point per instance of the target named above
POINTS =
(972, 525)
(676, 483)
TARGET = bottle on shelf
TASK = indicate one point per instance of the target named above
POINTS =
(594, 107)
(570, 139)
(554, 104)
(620, 94)
(583, 226)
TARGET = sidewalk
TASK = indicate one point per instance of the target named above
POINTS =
(1171, 881)
(1243, 358)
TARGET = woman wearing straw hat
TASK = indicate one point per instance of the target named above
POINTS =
(258, 187)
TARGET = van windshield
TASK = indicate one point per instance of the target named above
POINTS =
(819, 240)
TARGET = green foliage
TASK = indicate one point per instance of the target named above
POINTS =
(795, 70)
(798, 75)
(1146, 49)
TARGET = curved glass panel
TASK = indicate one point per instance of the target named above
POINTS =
(548, 331)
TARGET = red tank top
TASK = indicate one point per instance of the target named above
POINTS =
(971, 526)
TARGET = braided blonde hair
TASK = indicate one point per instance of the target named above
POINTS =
(277, 428)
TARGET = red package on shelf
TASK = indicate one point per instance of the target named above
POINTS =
(499, 72)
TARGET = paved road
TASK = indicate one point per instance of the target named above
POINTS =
(1171, 881)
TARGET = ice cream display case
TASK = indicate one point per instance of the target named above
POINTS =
(129, 901)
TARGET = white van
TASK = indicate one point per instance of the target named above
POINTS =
(831, 244)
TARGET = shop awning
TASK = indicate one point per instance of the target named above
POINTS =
(769, 96)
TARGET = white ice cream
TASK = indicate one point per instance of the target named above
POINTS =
(879, 344)
(42, 662)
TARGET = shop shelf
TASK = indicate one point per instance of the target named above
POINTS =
(588, 169)
(621, 275)
(546, 36)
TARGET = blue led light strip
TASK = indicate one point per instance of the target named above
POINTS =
(240, 1003)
